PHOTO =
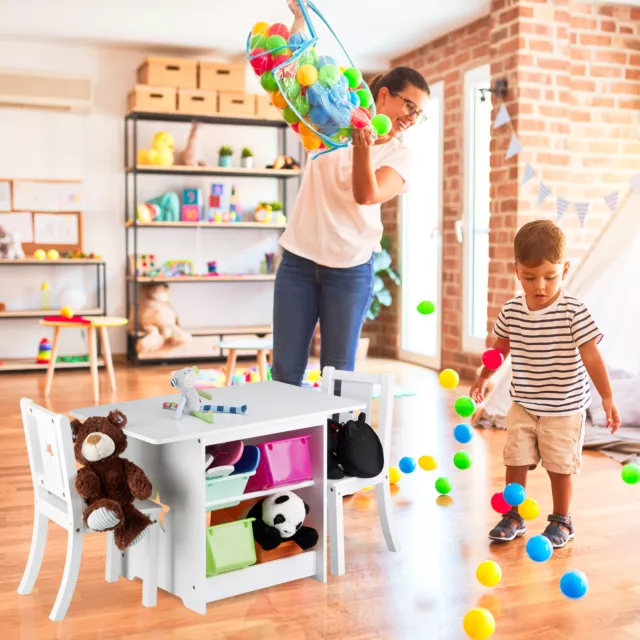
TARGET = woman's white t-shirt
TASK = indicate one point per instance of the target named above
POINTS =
(327, 225)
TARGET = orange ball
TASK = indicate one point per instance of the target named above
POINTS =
(304, 130)
(278, 100)
(311, 143)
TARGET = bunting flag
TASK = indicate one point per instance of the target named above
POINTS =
(635, 182)
(612, 200)
(583, 210)
(563, 205)
(543, 193)
(514, 147)
(529, 174)
(502, 118)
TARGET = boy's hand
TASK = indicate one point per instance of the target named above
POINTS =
(613, 417)
(477, 390)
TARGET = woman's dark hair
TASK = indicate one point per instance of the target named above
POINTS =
(397, 80)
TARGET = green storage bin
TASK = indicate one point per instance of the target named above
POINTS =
(226, 487)
(230, 546)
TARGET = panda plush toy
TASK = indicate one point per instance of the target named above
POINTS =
(279, 518)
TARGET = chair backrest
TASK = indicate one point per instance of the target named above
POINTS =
(362, 386)
(51, 458)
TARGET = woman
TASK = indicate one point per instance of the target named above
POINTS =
(326, 272)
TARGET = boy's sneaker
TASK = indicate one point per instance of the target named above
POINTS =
(559, 530)
(510, 527)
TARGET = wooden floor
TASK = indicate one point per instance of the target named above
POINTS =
(421, 592)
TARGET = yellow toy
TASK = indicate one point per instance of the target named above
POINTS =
(479, 624)
(489, 573)
(263, 212)
(428, 463)
(529, 509)
(394, 475)
(66, 312)
(39, 254)
(449, 379)
(161, 152)
(52, 254)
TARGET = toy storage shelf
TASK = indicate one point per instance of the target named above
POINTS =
(231, 172)
(205, 225)
(60, 262)
(248, 278)
(259, 494)
(251, 121)
(258, 329)
(42, 313)
(29, 364)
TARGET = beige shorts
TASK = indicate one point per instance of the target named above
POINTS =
(554, 440)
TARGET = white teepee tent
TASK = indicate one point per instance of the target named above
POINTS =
(608, 282)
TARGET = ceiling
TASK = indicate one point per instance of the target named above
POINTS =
(220, 27)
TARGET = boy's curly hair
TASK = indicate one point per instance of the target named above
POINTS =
(537, 242)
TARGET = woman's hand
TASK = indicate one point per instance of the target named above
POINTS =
(362, 138)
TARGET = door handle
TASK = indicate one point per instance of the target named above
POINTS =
(459, 227)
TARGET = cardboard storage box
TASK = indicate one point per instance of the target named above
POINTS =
(202, 103)
(221, 76)
(159, 99)
(236, 103)
(265, 109)
(169, 72)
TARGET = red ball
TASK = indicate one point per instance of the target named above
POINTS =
(277, 60)
(261, 63)
(492, 359)
(296, 127)
(359, 118)
(499, 504)
(279, 29)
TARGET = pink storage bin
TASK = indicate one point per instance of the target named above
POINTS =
(282, 462)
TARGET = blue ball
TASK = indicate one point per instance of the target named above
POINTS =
(407, 465)
(297, 39)
(574, 584)
(514, 494)
(463, 433)
(322, 60)
(319, 116)
(539, 548)
(354, 98)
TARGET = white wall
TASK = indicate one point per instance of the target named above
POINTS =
(46, 144)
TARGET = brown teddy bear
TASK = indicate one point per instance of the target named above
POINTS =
(108, 483)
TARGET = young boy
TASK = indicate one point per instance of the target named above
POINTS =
(553, 344)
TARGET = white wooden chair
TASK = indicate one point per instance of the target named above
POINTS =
(53, 471)
(361, 386)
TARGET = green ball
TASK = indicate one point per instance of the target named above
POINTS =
(354, 77)
(462, 460)
(268, 82)
(425, 307)
(366, 99)
(302, 105)
(465, 406)
(309, 57)
(259, 41)
(290, 116)
(276, 42)
(290, 88)
(443, 486)
(329, 75)
(631, 473)
(381, 124)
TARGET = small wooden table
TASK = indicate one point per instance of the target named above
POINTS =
(91, 324)
(264, 347)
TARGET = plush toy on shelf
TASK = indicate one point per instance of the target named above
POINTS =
(10, 245)
(192, 156)
(161, 152)
(168, 205)
(263, 212)
(285, 162)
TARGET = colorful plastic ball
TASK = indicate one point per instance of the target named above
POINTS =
(381, 124)
(499, 504)
(366, 99)
(260, 62)
(305, 130)
(302, 105)
(259, 41)
(479, 624)
(325, 60)
(539, 548)
(359, 118)
(268, 82)
(310, 143)
(309, 57)
(492, 359)
(278, 100)
(290, 87)
(489, 573)
(443, 486)
(279, 29)
(295, 127)
(276, 43)
(574, 584)
(448, 379)
(260, 27)
(307, 74)
(297, 39)
(66, 312)
(465, 406)
(407, 465)
(281, 58)
(631, 473)
(529, 509)
(290, 116)
(329, 75)
(353, 76)
(319, 116)
(462, 460)
(426, 307)
(354, 98)
(428, 463)
(394, 475)
(463, 433)
(514, 494)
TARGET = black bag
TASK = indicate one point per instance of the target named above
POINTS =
(355, 446)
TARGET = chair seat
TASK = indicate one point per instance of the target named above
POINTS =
(349, 484)
(108, 321)
(248, 343)
(147, 506)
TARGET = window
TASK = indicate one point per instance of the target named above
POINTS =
(475, 222)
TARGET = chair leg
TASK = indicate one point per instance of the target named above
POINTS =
(113, 564)
(69, 576)
(108, 360)
(36, 553)
(262, 364)
(335, 518)
(385, 508)
(93, 361)
(150, 580)
(231, 365)
(52, 362)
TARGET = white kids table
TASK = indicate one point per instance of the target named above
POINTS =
(172, 453)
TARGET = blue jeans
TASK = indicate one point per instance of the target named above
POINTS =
(306, 292)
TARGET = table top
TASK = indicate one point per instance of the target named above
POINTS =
(267, 404)
(246, 343)
(81, 321)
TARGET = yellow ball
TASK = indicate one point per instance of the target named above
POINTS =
(310, 143)
(66, 312)
(529, 509)
(428, 463)
(449, 379)
(315, 375)
(394, 475)
(260, 28)
(306, 75)
(479, 624)
(489, 573)
(39, 254)
(52, 254)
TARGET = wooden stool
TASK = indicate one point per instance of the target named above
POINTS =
(91, 324)
(263, 346)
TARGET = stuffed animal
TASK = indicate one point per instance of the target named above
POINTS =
(10, 245)
(279, 518)
(161, 152)
(184, 381)
(192, 155)
(108, 483)
(158, 319)
(285, 162)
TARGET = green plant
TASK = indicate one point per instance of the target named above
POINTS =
(247, 153)
(226, 151)
(276, 206)
(382, 268)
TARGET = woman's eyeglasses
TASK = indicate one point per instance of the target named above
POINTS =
(411, 109)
